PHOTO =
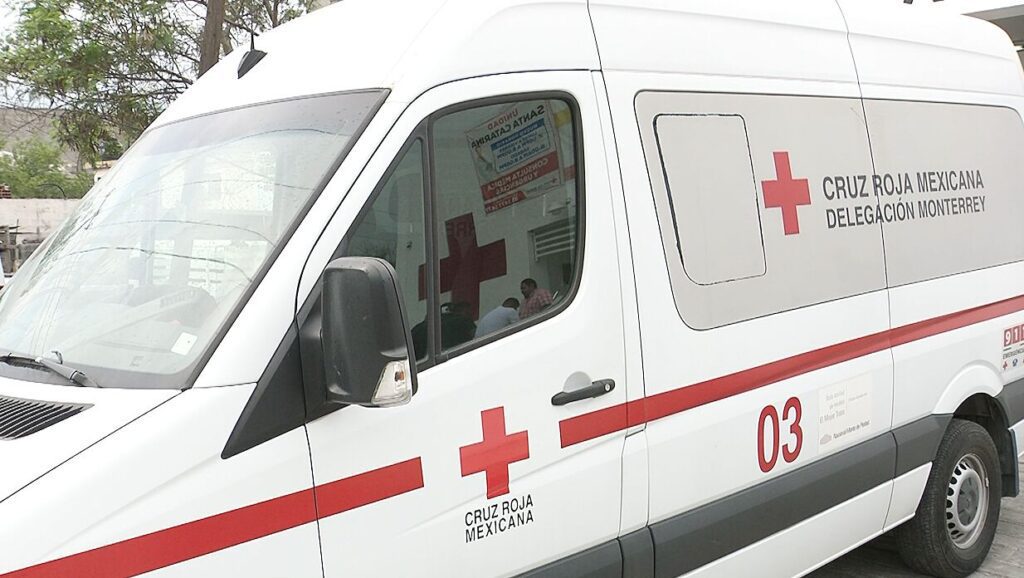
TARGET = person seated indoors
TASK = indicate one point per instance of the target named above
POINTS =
(457, 325)
(535, 299)
(498, 318)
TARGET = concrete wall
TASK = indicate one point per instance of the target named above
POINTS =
(36, 218)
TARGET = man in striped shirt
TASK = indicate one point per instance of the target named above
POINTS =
(535, 299)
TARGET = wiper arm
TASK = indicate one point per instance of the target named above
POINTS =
(69, 373)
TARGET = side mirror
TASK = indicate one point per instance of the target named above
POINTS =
(367, 348)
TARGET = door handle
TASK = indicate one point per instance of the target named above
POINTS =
(596, 389)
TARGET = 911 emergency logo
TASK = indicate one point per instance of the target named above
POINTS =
(883, 198)
(492, 457)
(1013, 348)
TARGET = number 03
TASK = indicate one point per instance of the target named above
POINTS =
(768, 455)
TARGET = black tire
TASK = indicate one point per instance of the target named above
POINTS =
(925, 542)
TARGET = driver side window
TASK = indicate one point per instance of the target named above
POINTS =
(392, 228)
(506, 210)
(499, 247)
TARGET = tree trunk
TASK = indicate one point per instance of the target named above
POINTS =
(213, 33)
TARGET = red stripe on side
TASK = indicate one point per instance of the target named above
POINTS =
(595, 424)
(684, 398)
(601, 422)
(930, 327)
(193, 539)
(179, 543)
(373, 486)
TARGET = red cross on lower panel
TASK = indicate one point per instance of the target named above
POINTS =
(786, 193)
(494, 454)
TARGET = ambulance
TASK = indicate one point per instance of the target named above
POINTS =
(603, 288)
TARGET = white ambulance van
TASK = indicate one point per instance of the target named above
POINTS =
(606, 288)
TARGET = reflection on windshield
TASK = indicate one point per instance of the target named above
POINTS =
(142, 276)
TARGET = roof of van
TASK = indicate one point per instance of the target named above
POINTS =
(360, 44)
(410, 46)
(897, 45)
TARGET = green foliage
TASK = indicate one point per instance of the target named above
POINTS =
(111, 66)
(34, 171)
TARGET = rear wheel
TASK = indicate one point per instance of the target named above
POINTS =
(956, 520)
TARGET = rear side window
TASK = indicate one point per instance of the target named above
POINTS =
(712, 196)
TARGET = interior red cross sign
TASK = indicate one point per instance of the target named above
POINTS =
(786, 193)
(495, 453)
(467, 264)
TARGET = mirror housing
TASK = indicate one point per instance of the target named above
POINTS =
(366, 345)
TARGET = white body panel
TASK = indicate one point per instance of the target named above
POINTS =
(906, 493)
(937, 374)
(161, 471)
(39, 453)
(575, 492)
(433, 42)
(148, 465)
(736, 39)
(295, 554)
(727, 428)
(974, 63)
(942, 51)
(1018, 431)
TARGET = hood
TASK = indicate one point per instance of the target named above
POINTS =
(80, 417)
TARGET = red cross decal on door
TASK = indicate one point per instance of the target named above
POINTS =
(467, 264)
(493, 455)
(786, 193)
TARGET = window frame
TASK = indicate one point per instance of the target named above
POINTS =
(436, 353)
(424, 133)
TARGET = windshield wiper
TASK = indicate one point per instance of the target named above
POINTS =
(69, 373)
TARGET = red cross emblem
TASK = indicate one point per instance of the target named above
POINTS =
(467, 264)
(786, 193)
(495, 453)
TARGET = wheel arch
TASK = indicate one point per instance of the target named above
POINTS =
(988, 412)
(973, 394)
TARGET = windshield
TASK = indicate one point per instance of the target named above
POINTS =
(135, 285)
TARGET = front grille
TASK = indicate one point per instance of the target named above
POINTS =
(24, 417)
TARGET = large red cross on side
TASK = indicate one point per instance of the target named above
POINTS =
(493, 455)
(467, 265)
(786, 193)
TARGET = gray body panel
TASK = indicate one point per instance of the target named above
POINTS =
(938, 182)
(693, 539)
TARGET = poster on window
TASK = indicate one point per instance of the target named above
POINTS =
(516, 154)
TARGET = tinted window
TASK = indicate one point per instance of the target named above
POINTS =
(505, 217)
(506, 208)
(392, 229)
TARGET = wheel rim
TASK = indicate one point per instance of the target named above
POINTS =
(967, 501)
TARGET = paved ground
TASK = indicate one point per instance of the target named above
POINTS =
(879, 558)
